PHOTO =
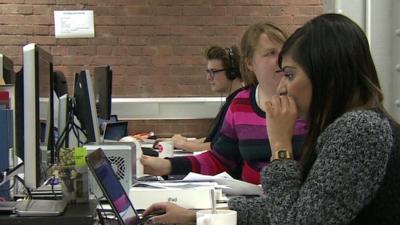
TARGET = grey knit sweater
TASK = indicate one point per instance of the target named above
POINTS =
(354, 180)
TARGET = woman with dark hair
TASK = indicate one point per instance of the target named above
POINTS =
(348, 173)
(350, 159)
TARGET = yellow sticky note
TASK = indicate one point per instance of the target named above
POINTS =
(79, 155)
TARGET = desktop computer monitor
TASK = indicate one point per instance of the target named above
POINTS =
(60, 98)
(6, 70)
(60, 84)
(61, 119)
(7, 77)
(6, 160)
(19, 113)
(37, 88)
(103, 91)
(85, 106)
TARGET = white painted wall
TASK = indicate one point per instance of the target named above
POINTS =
(380, 20)
(395, 66)
(160, 108)
(166, 108)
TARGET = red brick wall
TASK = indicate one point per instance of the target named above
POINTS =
(166, 128)
(153, 46)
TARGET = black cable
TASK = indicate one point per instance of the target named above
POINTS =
(230, 89)
(220, 100)
(52, 191)
(76, 130)
(61, 140)
(53, 182)
(28, 192)
(103, 211)
(70, 126)
(65, 133)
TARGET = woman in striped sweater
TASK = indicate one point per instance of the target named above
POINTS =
(243, 148)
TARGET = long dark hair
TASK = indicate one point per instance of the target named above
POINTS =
(334, 53)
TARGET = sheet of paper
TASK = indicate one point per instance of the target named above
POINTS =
(198, 177)
(182, 184)
(74, 24)
(237, 187)
(222, 181)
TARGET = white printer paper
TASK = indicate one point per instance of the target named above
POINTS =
(74, 24)
(237, 187)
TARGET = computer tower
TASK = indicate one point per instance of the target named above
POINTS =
(122, 156)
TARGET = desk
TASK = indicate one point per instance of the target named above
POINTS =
(79, 214)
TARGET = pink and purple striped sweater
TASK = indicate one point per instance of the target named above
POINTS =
(243, 148)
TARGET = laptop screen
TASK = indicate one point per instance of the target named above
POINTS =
(115, 131)
(112, 188)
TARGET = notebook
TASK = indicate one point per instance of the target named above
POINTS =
(112, 189)
(115, 131)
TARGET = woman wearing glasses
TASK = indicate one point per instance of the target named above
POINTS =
(242, 148)
(224, 77)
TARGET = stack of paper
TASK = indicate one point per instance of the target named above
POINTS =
(230, 186)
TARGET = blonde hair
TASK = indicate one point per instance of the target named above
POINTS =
(249, 43)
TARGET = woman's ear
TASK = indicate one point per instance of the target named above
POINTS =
(249, 64)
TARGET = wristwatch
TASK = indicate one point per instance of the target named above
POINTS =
(281, 154)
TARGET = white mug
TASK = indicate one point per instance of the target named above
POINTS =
(221, 217)
(165, 149)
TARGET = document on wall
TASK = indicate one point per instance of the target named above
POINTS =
(74, 24)
(236, 187)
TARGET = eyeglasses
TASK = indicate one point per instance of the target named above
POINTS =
(212, 72)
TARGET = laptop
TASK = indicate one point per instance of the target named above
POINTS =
(112, 189)
(115, 131)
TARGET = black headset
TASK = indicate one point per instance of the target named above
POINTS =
(233, 71)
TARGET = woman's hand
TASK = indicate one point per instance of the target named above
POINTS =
(179, 141)
(281, 114)
(155, 166)
(174, 214)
